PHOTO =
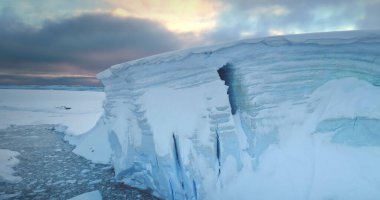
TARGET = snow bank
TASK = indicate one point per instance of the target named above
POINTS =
(94, 195)
(94, 144)
(288, 117)
(7, 161)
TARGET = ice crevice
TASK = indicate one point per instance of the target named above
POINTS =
(244, 119)
(226, 74)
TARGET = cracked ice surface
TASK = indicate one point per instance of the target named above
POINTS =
(94, 195)
(305, 120)
(50, 170)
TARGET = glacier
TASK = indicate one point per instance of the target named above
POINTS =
(284, 117)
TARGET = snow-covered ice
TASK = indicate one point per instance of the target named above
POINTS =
(8, 159)
(288, 117)
(94, 195)
(76, 110)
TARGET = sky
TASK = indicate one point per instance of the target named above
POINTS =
(67, 42)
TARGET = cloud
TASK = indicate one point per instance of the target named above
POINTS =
(85, 44)
(242, 18)
(371, 16)
(37, 12)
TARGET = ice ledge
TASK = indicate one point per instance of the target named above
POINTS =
(326, 38)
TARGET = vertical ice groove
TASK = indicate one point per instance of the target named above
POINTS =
(181, 177)
(171, 190)
(176, 152)
(195, 190)
(218, 150)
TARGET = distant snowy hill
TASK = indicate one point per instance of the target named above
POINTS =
(287, 117)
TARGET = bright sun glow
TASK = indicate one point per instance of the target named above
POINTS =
(178, 16)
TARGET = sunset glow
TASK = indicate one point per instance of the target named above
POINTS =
(178, 16)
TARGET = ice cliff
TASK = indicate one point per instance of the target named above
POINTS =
(288, 117)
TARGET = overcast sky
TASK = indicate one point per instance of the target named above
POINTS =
(48, 42)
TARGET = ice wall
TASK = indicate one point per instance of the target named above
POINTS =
(288, 117)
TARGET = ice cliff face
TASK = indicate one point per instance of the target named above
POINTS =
(289, 117)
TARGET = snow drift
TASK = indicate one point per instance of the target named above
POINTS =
(7, 161)
(288, 117)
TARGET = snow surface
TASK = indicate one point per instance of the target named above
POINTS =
(7, 161)
(33, 107)
(94, 195)
(306, 126)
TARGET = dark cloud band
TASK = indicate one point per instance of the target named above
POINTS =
(85, 44)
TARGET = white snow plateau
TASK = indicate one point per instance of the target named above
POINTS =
(285, 117)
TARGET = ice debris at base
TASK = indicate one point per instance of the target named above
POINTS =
(7, 161)
(287, 117)
(94, 195)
